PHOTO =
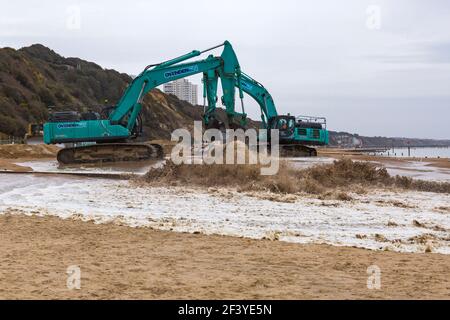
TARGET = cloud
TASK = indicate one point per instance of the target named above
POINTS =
(424, 52)
(312, 56)
(439, 52)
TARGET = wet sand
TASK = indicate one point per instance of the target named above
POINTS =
(12, 154)
(342, 153)
(36, 151)
(119, 262)
(9, 165)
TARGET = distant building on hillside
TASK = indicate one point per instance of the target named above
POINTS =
(183, 89)
(346, 140)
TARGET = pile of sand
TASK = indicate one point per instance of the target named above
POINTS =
(336, 178)
(208, 175)
(39, 151)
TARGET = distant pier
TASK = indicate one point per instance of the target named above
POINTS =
(367, 150)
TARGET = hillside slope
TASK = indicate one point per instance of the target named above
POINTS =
(35, 77)
(349, 140)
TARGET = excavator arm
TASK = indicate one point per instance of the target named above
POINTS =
(118, 127)
(253, 88)
(210, 82)
(122, 119)
(260, 94)
(130, 104)
(228, 73)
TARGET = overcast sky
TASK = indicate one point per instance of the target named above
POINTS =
(371, 67)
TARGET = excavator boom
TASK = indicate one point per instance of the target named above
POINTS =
(104, 140)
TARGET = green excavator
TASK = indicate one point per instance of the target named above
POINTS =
(297, 135)
(93, 137)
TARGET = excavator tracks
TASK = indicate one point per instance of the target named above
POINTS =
(295, 150)
(110, 152)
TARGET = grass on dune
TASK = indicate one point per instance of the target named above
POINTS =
(341, 175)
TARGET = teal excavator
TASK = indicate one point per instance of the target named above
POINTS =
(297, 135)
(103, 138)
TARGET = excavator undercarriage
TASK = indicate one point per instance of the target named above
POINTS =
(295, 150)
(110, 152)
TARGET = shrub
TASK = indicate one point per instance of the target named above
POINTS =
(340, 175)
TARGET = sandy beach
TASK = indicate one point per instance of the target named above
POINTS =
(292, 151)
(142, 242)
(119, 262)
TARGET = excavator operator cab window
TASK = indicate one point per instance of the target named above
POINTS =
(284, 123)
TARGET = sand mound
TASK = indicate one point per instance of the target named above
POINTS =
(13, 151)
(329, 180)
(209, 174)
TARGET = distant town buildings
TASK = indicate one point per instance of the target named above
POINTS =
(346, 140)
(183, 89)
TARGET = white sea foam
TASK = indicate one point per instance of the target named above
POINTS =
(307, 220)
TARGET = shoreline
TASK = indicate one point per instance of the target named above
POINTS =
(438, 163)
(48, 153)
(162, 259)
(121, 262)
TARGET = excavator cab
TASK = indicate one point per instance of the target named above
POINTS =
(290, 143)
(285, 125)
